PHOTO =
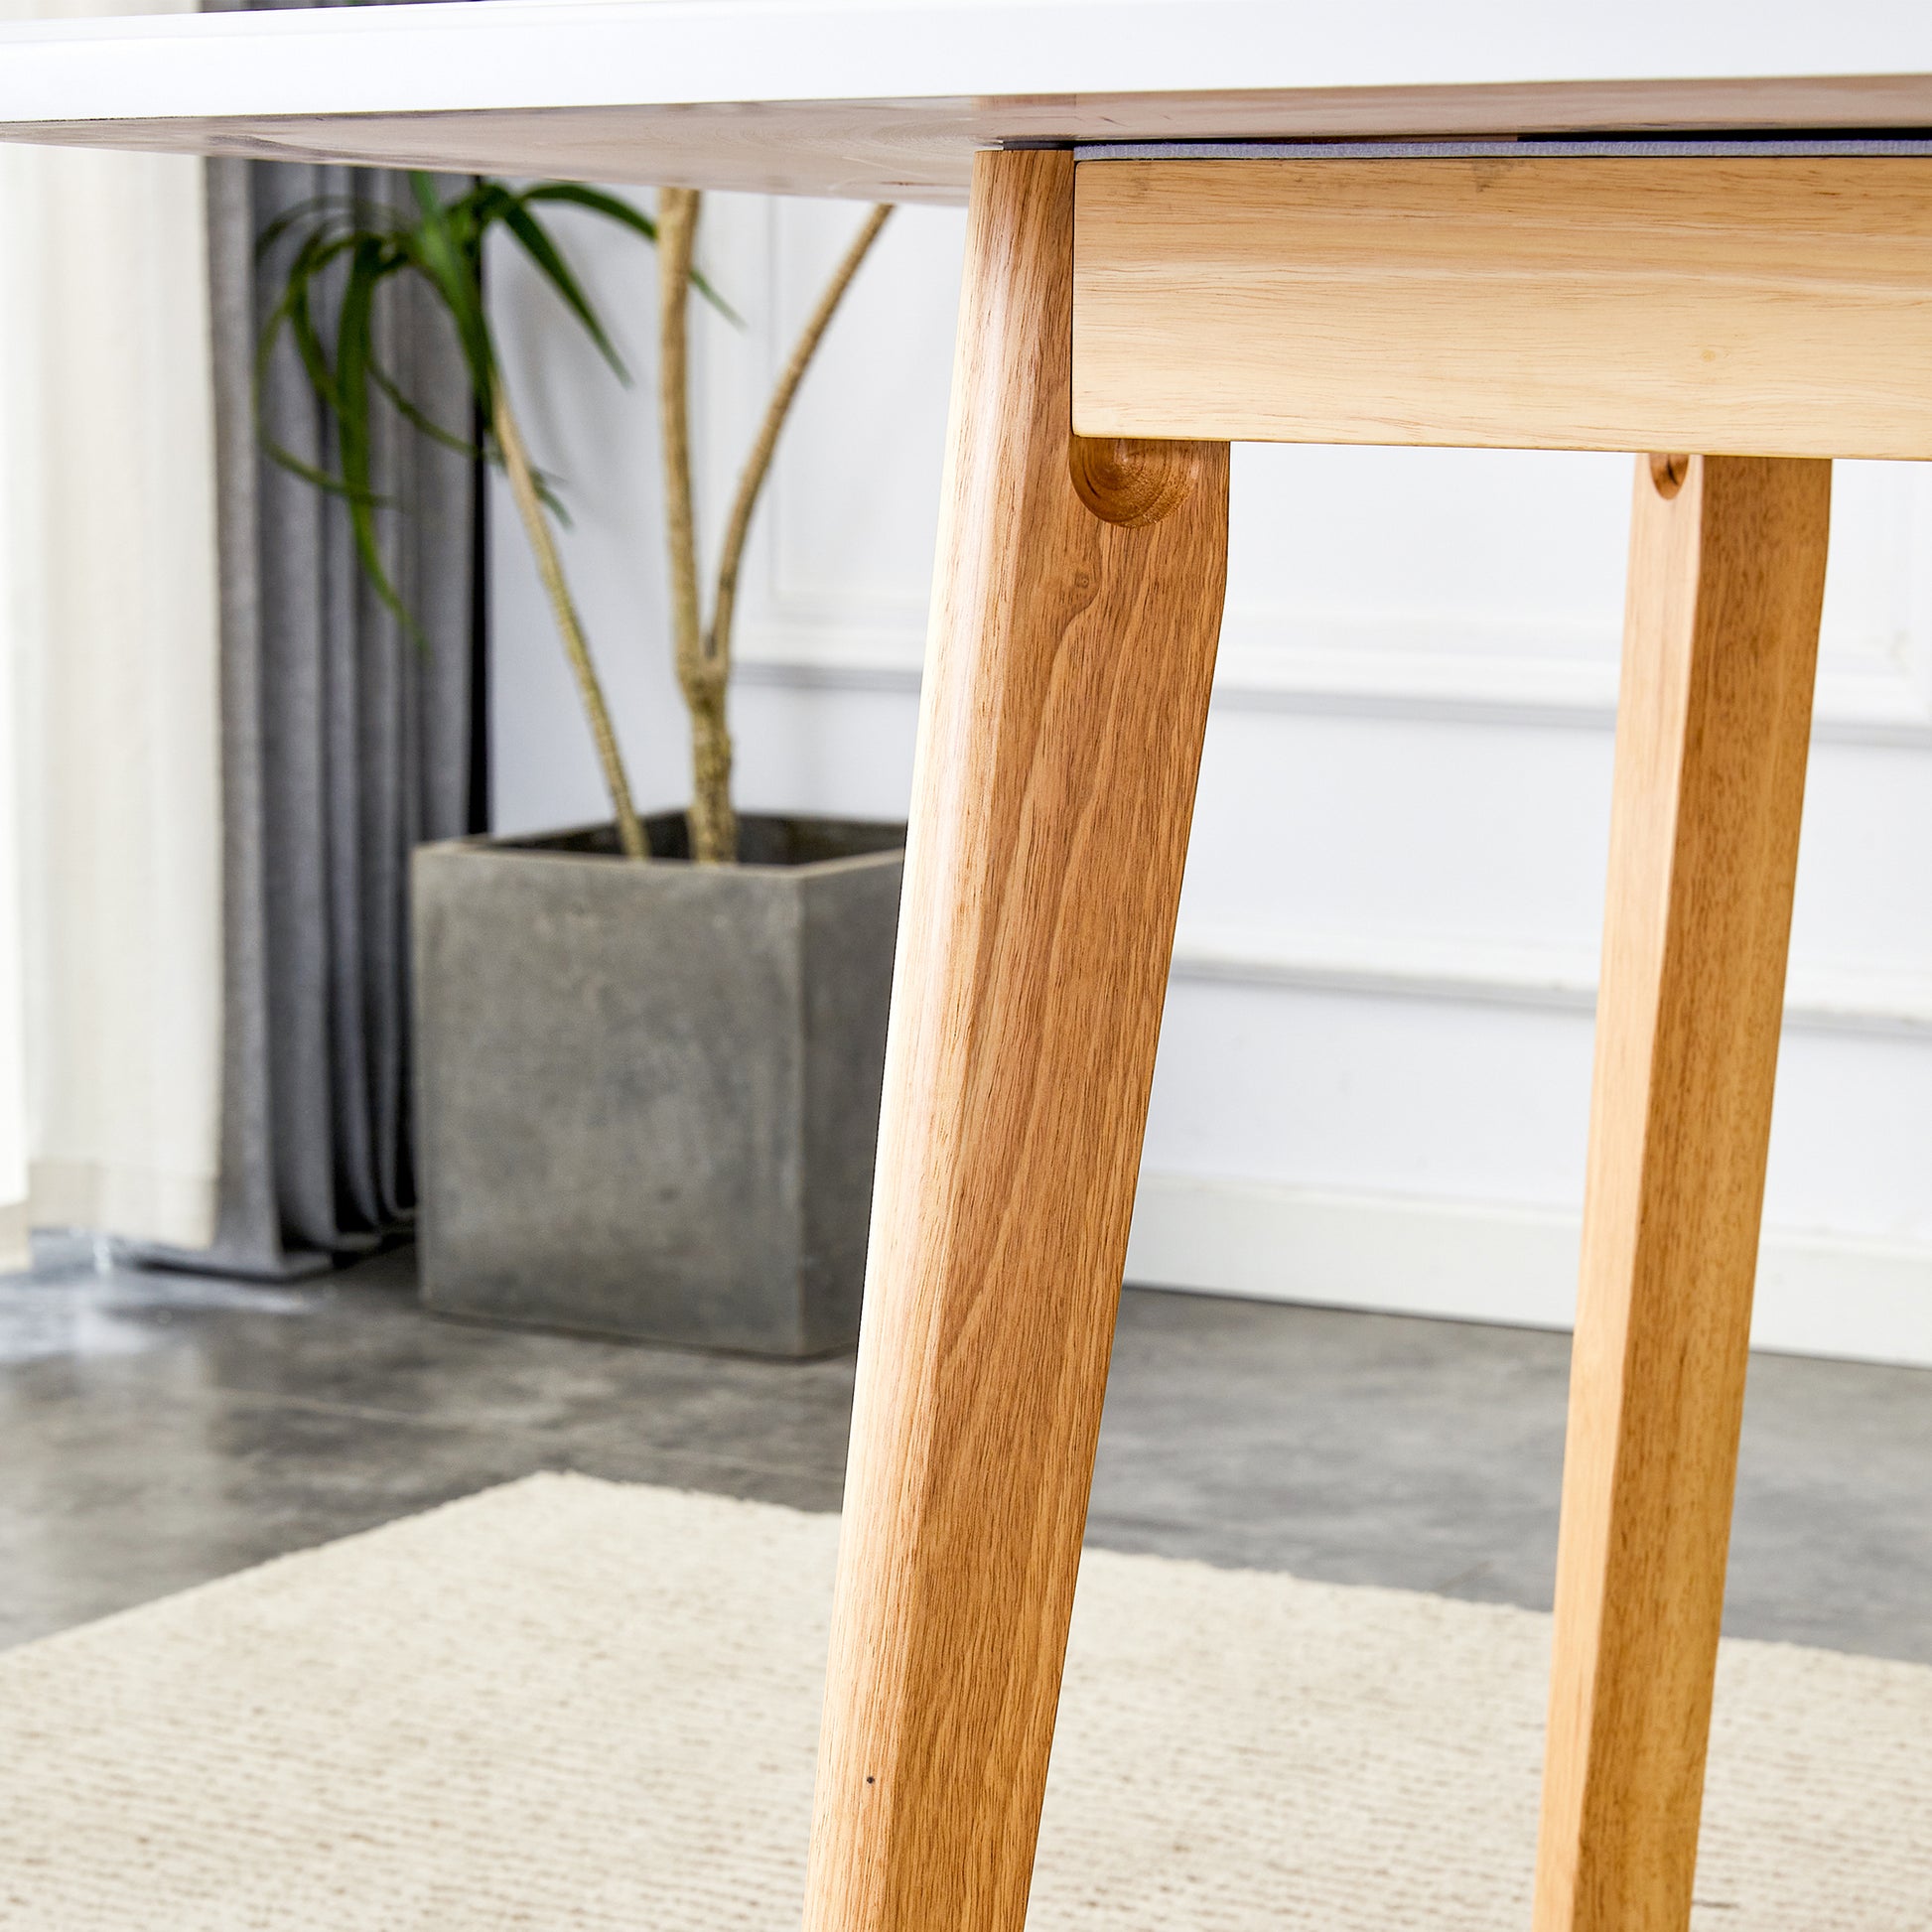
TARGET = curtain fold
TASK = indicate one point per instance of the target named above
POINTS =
(344, 743)
(111, 1020)
(218, 749)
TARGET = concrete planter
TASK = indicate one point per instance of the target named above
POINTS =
(647, 1096)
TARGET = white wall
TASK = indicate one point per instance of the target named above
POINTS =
(1373, 1083)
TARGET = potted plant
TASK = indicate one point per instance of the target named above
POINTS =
(648, 1053)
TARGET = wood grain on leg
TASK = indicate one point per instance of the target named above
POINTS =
(1077, 607)
(1727, 576)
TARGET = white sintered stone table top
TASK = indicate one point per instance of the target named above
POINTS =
(888, 98)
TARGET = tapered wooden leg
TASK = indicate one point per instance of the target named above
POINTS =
(1727, 576)
(1075, 613)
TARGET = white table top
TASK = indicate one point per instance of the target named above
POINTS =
(888, 98)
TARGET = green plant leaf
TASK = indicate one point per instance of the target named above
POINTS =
(454, 272)
(536, 243)
(353, 357)
(365, 241)
(616, 209)
(548, 497)
(353, 209)
(595, 199)
(418, 418)
(320, 479)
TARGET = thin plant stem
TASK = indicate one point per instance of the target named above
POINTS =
(536, 525)
(718, 644)
(713, 823)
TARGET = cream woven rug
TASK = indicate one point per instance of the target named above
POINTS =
(569, 1704)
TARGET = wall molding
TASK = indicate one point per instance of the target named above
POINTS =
(1837, 999)
(1821, 999)
(1368, 668)
(1817, 1295)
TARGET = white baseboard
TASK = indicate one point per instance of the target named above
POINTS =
(1817, 1295)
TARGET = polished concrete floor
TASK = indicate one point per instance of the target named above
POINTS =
(159, 1430)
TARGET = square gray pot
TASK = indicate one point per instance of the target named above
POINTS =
(647, 1096)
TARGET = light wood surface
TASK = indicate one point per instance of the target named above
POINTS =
(1726, 579)
(1065, 698)
(1779, 306)
(887, 99)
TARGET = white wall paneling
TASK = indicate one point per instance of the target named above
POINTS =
(1372, 1089)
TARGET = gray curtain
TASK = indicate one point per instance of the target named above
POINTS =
(344, 743)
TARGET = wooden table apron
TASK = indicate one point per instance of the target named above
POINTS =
(1735, 317)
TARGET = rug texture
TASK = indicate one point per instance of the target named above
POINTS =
(569, 1704)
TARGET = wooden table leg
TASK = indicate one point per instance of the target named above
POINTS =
(1075, 613)
(1727, 576)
